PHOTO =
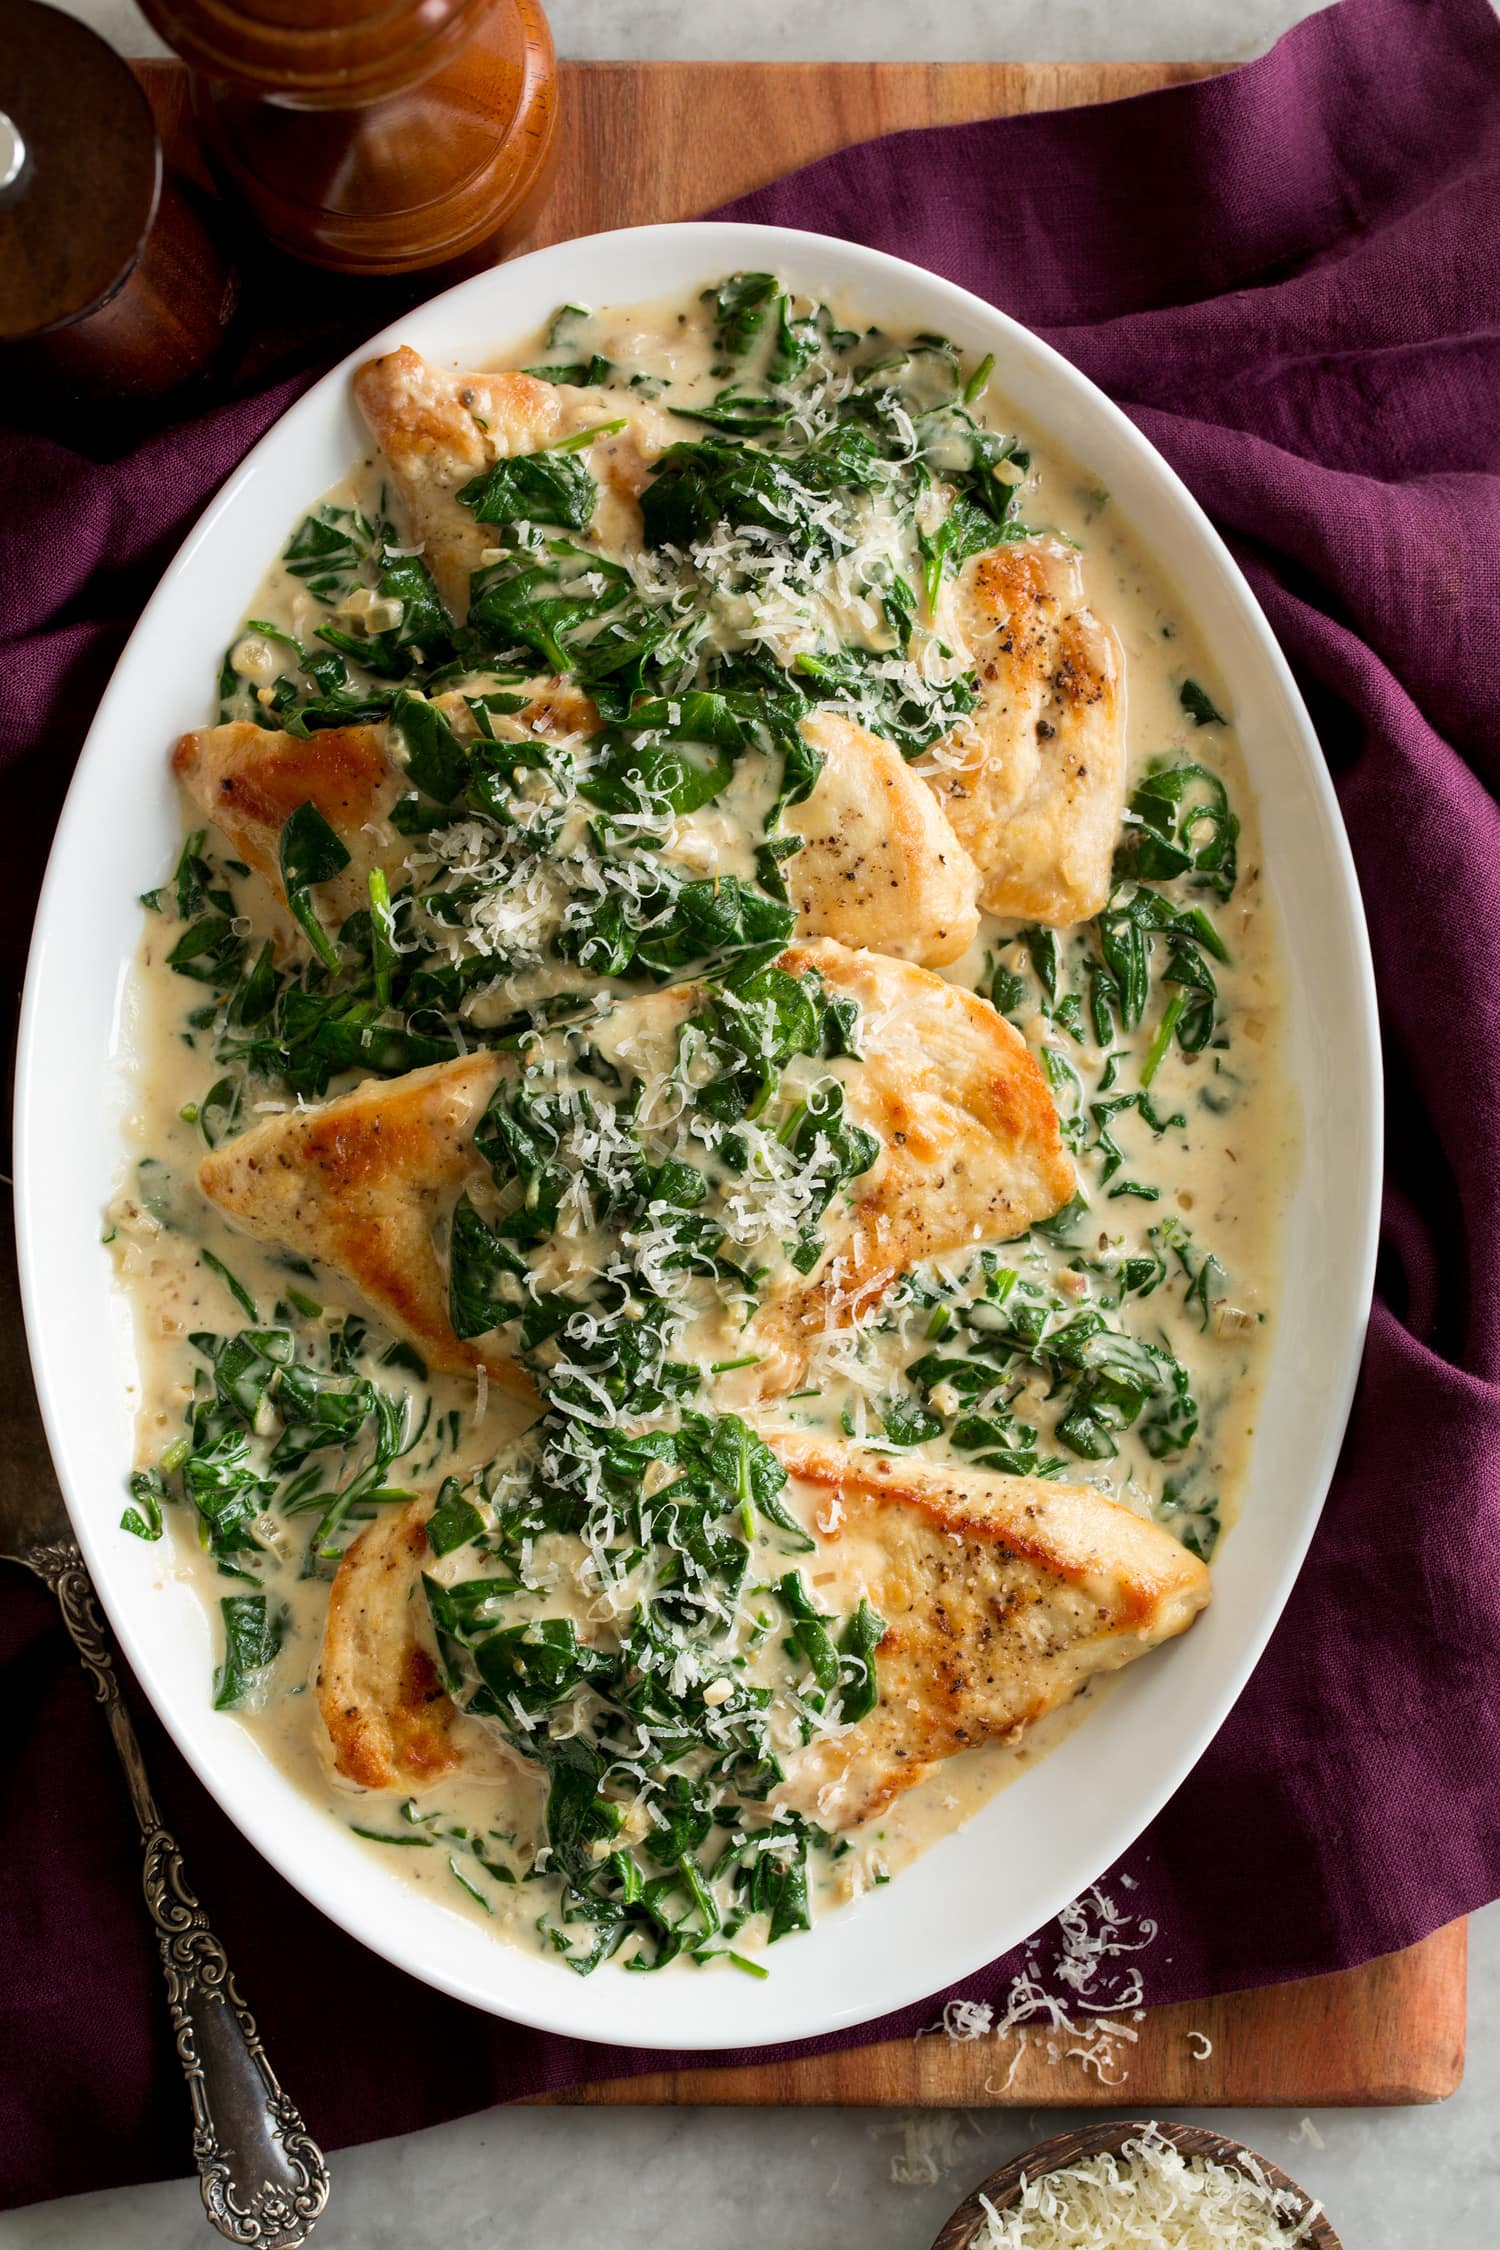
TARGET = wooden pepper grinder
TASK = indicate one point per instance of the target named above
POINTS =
(113, 283)
(373, 136)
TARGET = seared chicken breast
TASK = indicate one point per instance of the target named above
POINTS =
(1033, 781)
(880, 865)
(969, 1152)
(361, 1185)
(970, 1146)
(249, 781)
(439, 428)
(390, 1722)
(1001, 1596)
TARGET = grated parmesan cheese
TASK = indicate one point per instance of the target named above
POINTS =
(1150, 2194)
(1081, 2021)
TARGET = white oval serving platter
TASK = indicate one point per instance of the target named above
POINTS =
(1039, 1843)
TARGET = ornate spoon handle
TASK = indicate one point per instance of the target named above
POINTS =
(264, 2178)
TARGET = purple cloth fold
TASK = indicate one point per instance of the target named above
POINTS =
(1290, 278)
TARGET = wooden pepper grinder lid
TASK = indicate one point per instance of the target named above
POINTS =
(110, 282)
(373, 136)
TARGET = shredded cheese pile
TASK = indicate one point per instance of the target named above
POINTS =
(1150, 2195)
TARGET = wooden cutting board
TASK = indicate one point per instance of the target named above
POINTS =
(664, 140)
(667, 140)
(1390, 2032)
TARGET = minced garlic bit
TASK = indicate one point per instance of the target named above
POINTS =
(368, 612)
(253, 658)
(1150, 2194)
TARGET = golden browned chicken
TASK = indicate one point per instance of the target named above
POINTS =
(969, 1152)
(389, 1719)
(970, 1147)
(1033, 781)
(362, 1185)
(1001, 1596)
(438, 428)
(249, 781)
(880, 865)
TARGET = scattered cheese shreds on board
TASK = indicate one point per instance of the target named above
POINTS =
(1070, 2005)
(964, 2020)
(1150, 2194)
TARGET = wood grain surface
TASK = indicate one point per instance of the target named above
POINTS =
(667, 140)
(1391, 2032)
(642, 142)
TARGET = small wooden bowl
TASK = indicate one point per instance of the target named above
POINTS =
(1003, 2187)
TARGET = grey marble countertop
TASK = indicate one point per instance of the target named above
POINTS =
(829, 2179)
(871, 31)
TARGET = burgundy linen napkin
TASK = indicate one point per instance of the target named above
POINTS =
(1290, 278)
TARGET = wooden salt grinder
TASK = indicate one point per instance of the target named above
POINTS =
(373, 136)
(112, 283)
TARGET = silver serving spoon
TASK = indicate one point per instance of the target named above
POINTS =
(264, 2178)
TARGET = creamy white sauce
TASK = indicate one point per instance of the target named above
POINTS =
(1225, 1174)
